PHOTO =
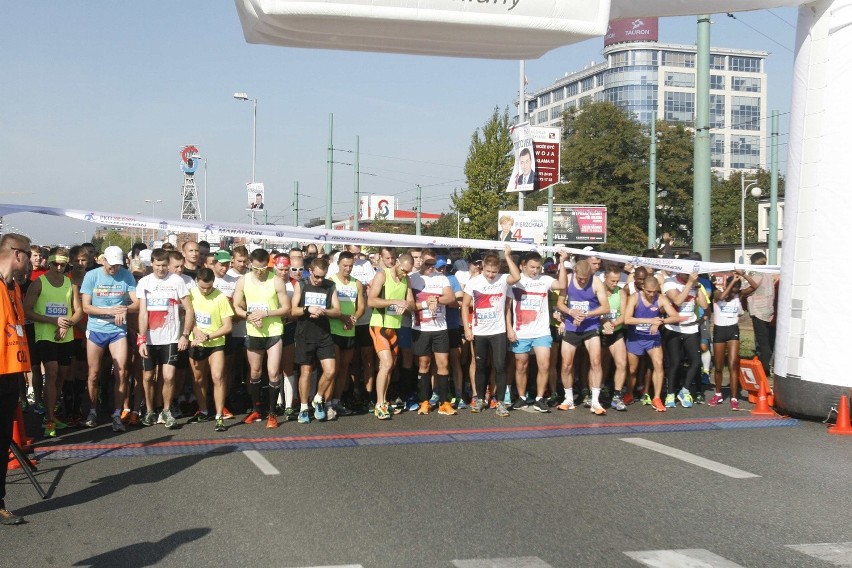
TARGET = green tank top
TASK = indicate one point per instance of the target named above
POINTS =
(262, 296)
(614, 308)
(53, 302)
(392, 290)
(347, 295)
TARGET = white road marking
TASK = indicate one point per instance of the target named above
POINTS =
(690, 458)
(835, 553)
(261, 462)
(687, 558)
(519, 562)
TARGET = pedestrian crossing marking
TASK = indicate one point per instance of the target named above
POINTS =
(519, 562)
(686, 558)
(834, 553)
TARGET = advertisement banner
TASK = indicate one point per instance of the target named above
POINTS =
(632, 29)
(255, 197)
(381, 206)
(578, 223)
(528, 227)
(536, 150)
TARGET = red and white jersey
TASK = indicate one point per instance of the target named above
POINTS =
(424, 287)
(530, 310)
(162, 297)
(489, 304)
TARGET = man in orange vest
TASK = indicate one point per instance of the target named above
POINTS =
(14, 353)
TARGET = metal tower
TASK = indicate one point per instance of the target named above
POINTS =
(190, 205)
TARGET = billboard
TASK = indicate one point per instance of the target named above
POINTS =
(371, 206)
(536, 150)
(529, 227)
(577, 223)
(255, 197)
(631, 29)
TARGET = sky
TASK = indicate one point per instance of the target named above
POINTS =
(98, 98)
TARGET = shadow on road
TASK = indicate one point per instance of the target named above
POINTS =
(143, 554)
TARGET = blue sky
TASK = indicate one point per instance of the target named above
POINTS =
(98, 97)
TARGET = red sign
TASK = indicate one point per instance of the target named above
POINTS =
(547, 162)
(631, 29)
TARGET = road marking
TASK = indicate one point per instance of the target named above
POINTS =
(520, 562)
(687, 558)
(340, 566)
(836, 553)
(690, 458)
(261, 462)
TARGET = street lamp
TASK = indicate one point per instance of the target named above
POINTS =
(459, 221)
(153, 203)
(198, 157)
(141, 230)
(245, 97)
(746, 184)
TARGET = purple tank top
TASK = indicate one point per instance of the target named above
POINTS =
(643, 311)
(583, 299)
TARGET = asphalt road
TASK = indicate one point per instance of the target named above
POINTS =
(562, 489)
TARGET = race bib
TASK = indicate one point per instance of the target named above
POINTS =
(314, 299)
(687, 308)
(56, 310)
(157, 304)
(256, 307)
(486, 314)
(530, 303)
(582, 306)
(202, 319)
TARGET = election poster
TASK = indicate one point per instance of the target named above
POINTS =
(528, 227)
(255, 197)
(536, 151)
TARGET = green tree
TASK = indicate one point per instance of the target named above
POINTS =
(445, 226)
(675, 179)
(725, 203)
(113, 238)
(487, 169)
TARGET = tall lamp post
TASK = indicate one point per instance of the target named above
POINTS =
(746, 184)
(245, 97)
(459, 221)
(153, 203)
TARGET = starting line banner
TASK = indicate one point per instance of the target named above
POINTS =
(286, 233)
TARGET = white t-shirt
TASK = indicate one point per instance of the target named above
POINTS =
(686, 309)
(424, 287)
(489, 304)
(226, 285)
(162, 297)
(726, 313)
(532, 314)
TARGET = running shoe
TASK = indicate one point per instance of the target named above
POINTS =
(597, 409)
(91, 421)
(447, 409)
(199, 417)
(684, 398)
(658, 405)
(289, 414)
(371, 407)
(699, 399)
(227, 414)
(330, 412)
(520, 404)
(160, 418)
(502, 410)
(169, 418)
(735, 404)
(627, 399)
(50, 429)
(507, 398)
(253, 417)
(433, 401)
(411, 404)
(477, 405)
(382, 412)
(176, 411)
(319, 410)
(604, 392)
(60, 425)
(716, 400)
(587, 398)
(220, 425)
(425, 407)
(38, 408)
(134, 418)
(271, 421)
(540, 406)
(125, 416)
(567, 405)
(117, 424)
(553, 400)
(341, 410)
(492, 403)
(462, 404)
(618, 404)
(670, 401)
(646, 400)
(7, 517)
(150, 419)
(304, 417)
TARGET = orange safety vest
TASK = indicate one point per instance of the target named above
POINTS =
(14, 352)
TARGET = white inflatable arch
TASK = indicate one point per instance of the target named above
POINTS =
(813, 311)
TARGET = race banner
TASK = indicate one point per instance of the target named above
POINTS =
(536, 150)
(286, 233)
(578, 223)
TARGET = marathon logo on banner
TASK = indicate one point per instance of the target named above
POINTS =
(285, 233)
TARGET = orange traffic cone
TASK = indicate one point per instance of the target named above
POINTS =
(842, 425)
(19, 436)
(762, 408)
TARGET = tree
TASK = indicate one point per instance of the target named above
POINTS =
(445, 226)
(725, 203)
(113, 238)
(487, 169)
(675, 180)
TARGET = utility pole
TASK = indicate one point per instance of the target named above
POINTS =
(773, 194)
(329, 177)
(419, 202)
(652, 185)
(701, 163)
(357, 183)
(296, 204)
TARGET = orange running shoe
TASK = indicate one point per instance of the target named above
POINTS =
(447, 409)
(125, 416)
(253, 417)
(134, 419)
(493, 403)
(567, 405)
(271, 421)
(425, 407)
(227, 414)
(658, 405)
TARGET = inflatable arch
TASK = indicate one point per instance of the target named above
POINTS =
(813, 311)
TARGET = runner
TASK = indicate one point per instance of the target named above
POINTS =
(682, 339)
(726, 337)
(353, 304)
(612, 334)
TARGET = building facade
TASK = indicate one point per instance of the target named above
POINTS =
(647, 76)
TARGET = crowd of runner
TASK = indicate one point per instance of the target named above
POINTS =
(303, 335)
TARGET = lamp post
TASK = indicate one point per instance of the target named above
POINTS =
(459, 222)
(197, 157)
(141, 230)
(245, 97)
(153, 203)
(746, 184)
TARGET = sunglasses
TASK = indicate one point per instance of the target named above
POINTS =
(429, 263)
(59, 264)
(295, 269)
(259, 268)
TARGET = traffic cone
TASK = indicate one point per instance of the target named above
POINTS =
(842, 426)
(762, 408)
(19, 436)
(26, 443)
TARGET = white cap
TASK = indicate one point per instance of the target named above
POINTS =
(114, 255)
(145, 257)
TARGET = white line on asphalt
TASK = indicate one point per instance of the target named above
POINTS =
(262, 464)
(836, 553)
(690, 458)
(688, 558)
(520, 562)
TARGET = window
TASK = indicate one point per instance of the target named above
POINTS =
(717, 82)
(544, 100)
(572, 90)
(717, 150)
(717, 111)
(619, 59)
(678, 59)
(745, 113)
(680, 79)
(556, 112)
(559, 94)
(745, 152)
(599, 80)
(748, 84)
(644, 57)
(717, 62)
(680, 107)
(542, 117)
(588, 84)
(747, 64)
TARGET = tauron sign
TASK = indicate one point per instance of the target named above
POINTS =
(632, 29)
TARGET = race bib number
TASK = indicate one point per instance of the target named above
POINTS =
(486, 315)
(393, 309)
(56, 310)
(611, 315)
(157, 304)
(730, 309)
(582, 306)
(202, 319)
(687, 308)
(644, 328)
(346, 295)
(256, 307)
(314, 299)
(530, 303)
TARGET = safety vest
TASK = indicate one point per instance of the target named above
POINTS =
(14, 352)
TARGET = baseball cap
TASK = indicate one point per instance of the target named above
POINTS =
(113, 255)
(440, 262)
(145, 257)
(281, 261)
(222, 256)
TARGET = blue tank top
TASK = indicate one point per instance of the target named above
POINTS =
(643, 330)
(583, 299)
